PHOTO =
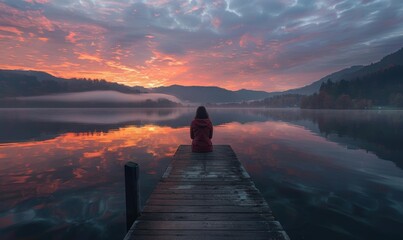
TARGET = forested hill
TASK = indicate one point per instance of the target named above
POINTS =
(17, 83)
(32, 83)
(210, 94)
(352, 73)
(382, 88)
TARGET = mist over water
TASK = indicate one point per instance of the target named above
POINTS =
(325, 174)
(95, 116)
(102, 96)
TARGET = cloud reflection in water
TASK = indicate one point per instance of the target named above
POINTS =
(65, 178)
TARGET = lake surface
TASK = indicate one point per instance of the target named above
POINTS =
(325, 174)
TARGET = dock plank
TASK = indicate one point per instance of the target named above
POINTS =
(206, 196)
(207, 235)
(207, 216)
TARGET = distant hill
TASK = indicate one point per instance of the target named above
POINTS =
(357, 87)
(354, 72)
(39, 89)
(381, 88)
(379, 84)
(314, 87)
(219, 95)
(17, 83)
(40, 76)
(201, 94)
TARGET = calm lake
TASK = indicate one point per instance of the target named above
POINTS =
(326, 174)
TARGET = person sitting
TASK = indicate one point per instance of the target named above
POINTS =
(201, 131)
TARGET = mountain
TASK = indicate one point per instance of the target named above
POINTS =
(39, 89)
(314, 87)
(40, 76)
(16, 83)
(381, 88)
(354, 72)
(201, 94)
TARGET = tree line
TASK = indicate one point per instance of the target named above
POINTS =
(17, 85)
(279, 101)
(383, 88)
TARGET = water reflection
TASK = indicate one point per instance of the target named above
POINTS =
(339, 193)
(380, 132)
(61, 169)
(74, 183)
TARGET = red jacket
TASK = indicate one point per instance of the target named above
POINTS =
(201, 131)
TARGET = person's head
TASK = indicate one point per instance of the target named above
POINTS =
(201, 113)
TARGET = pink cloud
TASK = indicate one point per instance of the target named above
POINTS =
(10, 30)
(37, 1)
(248, 38)
(216, 22)
(71, 37)
(24, 19)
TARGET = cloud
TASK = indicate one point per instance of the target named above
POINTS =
(270, 45)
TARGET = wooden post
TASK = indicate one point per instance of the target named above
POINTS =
(132, 187)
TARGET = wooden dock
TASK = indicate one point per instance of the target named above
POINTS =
(206, 196)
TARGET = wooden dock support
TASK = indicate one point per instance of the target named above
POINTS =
(206, 196)
(132, 189)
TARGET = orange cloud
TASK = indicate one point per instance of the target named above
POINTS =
(85, 56)
(43, 39)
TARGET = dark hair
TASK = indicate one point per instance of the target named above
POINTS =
(201, 113)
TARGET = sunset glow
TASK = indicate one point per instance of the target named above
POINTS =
(262, 45)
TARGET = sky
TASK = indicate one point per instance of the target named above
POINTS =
(270, 45)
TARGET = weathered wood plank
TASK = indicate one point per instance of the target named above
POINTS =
(212, 202)
(206, 196)
(201, 177)
(198, 196)
(203, 191)
(208, 235)
(218, 183)
(188, 179)
(207, 216)
(221, 174)
(210, 209)
(206, 225)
